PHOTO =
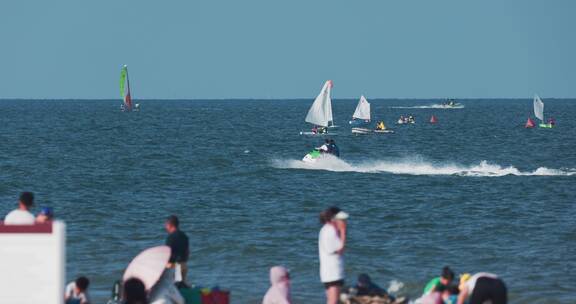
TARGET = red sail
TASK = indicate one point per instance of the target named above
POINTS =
(530, 123)
(433, 119)
(128, 101)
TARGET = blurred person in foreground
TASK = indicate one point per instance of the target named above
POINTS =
(481, 288)
(46, 215)
(77, 291)
(279, 292)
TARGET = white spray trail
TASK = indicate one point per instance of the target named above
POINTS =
(432, 106)
(412, 166)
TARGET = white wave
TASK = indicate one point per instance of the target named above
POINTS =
(418, 166)
(433, 106)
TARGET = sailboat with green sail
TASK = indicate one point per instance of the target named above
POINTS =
(127, 104)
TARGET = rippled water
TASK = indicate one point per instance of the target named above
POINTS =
(477, 191)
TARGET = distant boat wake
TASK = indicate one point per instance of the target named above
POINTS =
(408, 166)
(433, 106)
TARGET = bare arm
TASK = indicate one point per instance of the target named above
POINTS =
(463, 295)
(341, 227)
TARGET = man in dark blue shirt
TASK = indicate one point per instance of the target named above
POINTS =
(333, 148)
(178, 242)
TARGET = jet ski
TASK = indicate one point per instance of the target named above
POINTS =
(318, 154)
(312, 157)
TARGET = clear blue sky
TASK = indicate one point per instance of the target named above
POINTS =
(282, 49)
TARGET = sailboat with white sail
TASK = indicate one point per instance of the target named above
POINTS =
(361, 117)
(127, 104)
(320, 113)
(539, 113)
(328, 106)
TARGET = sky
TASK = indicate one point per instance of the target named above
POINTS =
(287, 49)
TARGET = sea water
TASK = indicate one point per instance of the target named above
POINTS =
(476, 191)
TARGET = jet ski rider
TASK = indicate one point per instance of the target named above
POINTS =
(325, 148)
(329, 147)
(333, 148)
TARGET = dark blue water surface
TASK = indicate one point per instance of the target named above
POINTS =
(477, 191)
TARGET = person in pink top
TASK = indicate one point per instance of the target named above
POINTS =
(279, 292)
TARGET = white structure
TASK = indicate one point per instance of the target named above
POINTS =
(32, 263)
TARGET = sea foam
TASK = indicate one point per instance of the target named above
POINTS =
(418, 166)
(432, 106)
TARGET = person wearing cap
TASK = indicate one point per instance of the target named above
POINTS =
(481, 288)
(279, 292)
(339, 219)
(179, 244)
(22, 215)
(45, 216)
(331, 243)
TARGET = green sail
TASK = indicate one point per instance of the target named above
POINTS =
(123, 75)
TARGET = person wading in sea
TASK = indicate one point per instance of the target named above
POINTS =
(331, 243)
(178, 242)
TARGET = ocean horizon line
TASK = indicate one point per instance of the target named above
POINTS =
(288, 98)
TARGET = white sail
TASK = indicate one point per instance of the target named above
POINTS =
(319, 114)
(538, 108)
(362, 109)
(328, 106)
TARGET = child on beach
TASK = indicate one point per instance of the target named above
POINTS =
(77, 291)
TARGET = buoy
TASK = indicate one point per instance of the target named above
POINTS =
(433, 119)
(529, 123)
